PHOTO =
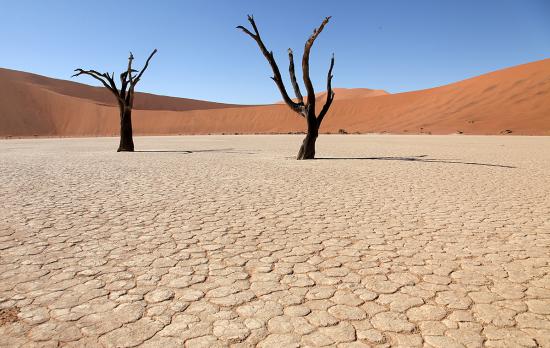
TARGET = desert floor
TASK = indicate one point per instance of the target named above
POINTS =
(211, 241)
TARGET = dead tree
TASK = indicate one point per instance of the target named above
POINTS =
(307, 109)
(124, 96)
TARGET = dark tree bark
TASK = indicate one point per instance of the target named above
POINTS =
(124, 96)
(126, 136)
(304, 109)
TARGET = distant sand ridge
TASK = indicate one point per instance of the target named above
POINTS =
(515, 99)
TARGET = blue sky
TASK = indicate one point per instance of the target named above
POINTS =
(393, 45)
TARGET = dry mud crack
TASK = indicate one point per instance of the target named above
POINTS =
(216, 241)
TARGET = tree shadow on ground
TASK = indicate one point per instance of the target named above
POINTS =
(420, 158)
(166, 151)
(187, 152)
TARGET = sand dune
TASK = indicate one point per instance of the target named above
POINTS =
(346, 93)
(354, 93)
(143, 101)
(515, 99)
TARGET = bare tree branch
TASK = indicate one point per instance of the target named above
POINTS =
(305, 65)
(330, 93)
(103, 78)
(136, 79)
(251, 20)
(123, 84)
(246, 31)
(114, 89)
(129, 70)
(293, 78)
(126, 77)
(129, 95)
(271, 60)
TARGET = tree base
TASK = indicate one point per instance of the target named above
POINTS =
(307, 150)
(124, 150)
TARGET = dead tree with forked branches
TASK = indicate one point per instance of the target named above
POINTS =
(124, 96)
(304, 109)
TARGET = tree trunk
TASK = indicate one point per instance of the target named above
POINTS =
(126, 137)
(307, 150)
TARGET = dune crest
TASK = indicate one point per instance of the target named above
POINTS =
(347, 93)
(515, 100)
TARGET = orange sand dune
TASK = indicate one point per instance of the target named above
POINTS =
(346, 93)
(352, 93)
(143, 101)
(515, 99)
